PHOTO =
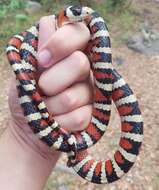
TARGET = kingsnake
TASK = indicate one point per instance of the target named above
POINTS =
(109, 86)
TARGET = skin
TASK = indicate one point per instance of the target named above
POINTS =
(26, 162)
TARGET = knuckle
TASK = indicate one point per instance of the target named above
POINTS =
(68, 101)
(80, 121)
(83, 118)
(43, 19)
(83, 63)
(42, 83)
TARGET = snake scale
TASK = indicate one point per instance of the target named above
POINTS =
(109, 86)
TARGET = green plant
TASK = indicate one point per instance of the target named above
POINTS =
(20, 20)
(10, 6)
(4, 2)
(16, 4)
(3, 11)
(117, 4)
(85, 2)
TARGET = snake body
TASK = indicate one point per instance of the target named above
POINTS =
(109, 86)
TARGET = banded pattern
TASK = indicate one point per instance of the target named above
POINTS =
(130, 141)
(109, 85)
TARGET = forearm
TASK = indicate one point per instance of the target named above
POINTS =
(21, 167)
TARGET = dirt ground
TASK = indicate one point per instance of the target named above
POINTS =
(142, 73)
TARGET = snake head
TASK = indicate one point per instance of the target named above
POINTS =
(73, 14)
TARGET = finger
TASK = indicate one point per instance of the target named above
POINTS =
(76, 120)
(72, 69)
(46, 22)
(63, 42)
(70, 100)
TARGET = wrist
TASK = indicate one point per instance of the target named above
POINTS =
(22, 164)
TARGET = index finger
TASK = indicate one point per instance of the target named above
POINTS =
(62, 43)
(46, 22)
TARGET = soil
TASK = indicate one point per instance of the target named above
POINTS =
(142, 73)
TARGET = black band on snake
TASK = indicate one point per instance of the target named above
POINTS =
(109, 86)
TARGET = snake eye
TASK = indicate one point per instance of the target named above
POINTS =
(76, 10)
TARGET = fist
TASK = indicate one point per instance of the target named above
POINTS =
(65, 79)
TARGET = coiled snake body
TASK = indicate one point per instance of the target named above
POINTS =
(109, 86)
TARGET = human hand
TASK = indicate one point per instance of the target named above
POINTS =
(67, 82)
(64, 80)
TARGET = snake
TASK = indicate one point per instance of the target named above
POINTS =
(109, 87)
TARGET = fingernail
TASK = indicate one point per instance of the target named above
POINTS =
(44, 58)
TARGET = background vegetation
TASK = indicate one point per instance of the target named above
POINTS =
(14, 17)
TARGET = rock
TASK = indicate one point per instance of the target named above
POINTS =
(119, 60)
(32, 7)
(63, 168)
(113, 188)
(63, 187)
(150, 188)
(136, 43)
(146, 42)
